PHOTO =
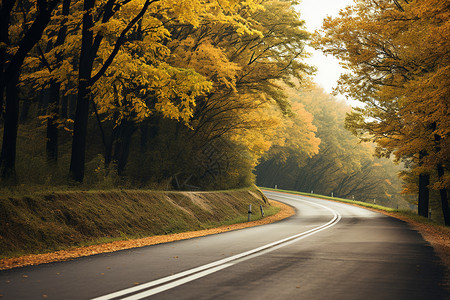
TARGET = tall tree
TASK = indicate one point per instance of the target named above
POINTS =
(10, 76)
(53, 113)
(397, 54)
(90, 45)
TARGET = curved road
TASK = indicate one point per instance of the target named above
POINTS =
(328, 250)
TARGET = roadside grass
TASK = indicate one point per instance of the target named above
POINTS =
(360, 203)
(243, 218)
(46, 222)
(256, 215)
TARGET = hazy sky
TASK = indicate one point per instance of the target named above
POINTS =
(313, 12)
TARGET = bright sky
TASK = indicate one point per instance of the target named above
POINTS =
(313, 12)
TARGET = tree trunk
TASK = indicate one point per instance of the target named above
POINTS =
(444, 197)
(144, 135)
(11, 79)
(52, 124)
(5, 16)
(122, 148)
(78, 156)
(109, 147)
(64, 106)
(8, 154)
(44, 98)
(89, 48)
(52, 121)
(424, 195)
(445, 207)
(25, 110)
(72, 106)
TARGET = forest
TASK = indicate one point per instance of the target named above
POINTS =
(339, 166)
(208, 95)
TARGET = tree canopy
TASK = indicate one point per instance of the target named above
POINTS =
(397, 57)
(153, 90)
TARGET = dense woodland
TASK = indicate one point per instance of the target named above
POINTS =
(196, 94)
(183, 94)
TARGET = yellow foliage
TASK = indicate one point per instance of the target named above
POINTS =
(399, 68)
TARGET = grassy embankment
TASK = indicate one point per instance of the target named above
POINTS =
(47, 222)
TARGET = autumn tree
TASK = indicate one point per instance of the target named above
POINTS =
(145, 84)
(12, 56)
(262, 46)
(188, 77)
(398, 58)
(111, 22)
(96, 18)
(232, 124)
(50, 54)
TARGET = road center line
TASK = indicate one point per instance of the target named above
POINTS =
(157, 286)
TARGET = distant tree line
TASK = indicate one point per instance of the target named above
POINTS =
(341, 166)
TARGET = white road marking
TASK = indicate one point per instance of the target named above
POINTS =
(157, 286)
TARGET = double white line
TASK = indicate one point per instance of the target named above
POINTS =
(160, 285)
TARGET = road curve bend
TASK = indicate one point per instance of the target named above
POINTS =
(327, 250)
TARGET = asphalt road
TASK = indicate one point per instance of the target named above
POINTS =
(328, 250)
